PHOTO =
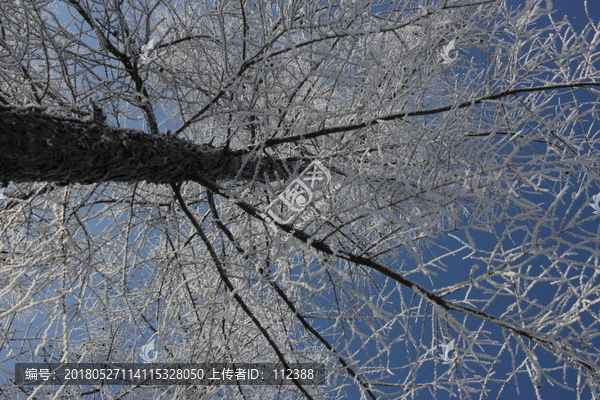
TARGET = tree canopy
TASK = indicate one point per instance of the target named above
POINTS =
(416, 200)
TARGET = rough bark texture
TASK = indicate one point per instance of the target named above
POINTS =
(36, 146)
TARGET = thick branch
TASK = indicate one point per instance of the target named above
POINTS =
(562, 348)
(232, 289)
(418, 113)
(128, 63)
(281, 293)
(38, 147)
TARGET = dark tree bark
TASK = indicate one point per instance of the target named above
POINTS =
(36, 146)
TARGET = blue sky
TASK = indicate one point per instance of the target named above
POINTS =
(575, 12)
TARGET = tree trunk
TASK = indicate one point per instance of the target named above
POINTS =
(36, 147)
